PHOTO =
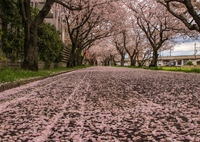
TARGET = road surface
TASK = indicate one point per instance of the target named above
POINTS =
(104, 104)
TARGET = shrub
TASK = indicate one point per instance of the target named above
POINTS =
(189, 63)
(50, 44)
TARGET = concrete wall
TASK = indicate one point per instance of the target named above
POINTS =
(17, 64)
(10, 64)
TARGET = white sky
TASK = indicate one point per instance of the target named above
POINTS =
(186, 48)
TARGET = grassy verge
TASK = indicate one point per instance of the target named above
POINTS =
(177, 69)
(11, 75)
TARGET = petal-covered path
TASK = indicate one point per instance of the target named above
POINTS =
(104, 104)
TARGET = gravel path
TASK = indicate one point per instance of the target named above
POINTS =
(104, 104)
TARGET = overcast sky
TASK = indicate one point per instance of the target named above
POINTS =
(186, 48)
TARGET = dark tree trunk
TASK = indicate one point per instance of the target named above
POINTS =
(106, 62)
(82, 57)
(30, 48)
(154, 58)
(78, 58)
(122, 61)
(70, 62)
(139, 64)
(31, 27)
(133, 60)
(114, 62)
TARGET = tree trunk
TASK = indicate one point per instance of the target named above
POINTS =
(139, 64)
(70, 62)
(114, 62)
(122, 61)
(30, 29)
(30, 48)
(154, 58)
(133, 60)
(82, 58)
(78, 58)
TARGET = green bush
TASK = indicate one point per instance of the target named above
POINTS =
(12, 34)
(189, 63)
(50, 44)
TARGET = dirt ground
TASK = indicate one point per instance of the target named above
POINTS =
(104, 104)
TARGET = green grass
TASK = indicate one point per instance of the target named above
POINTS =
(11, 75)
(173, 68)
(177, 69)
(197, 70)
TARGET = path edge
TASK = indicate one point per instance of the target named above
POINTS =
(10, 85)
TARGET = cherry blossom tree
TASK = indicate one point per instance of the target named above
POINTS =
(128, 37)
(105, 52)
(138, 49)
(86, 26)
(136, 42)
(120, 37)
(133, 50)
(120, 42)
(186, 11)
(157, 25)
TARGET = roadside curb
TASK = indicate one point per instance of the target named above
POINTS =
(10, 85)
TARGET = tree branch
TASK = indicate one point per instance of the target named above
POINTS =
(68, 6)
